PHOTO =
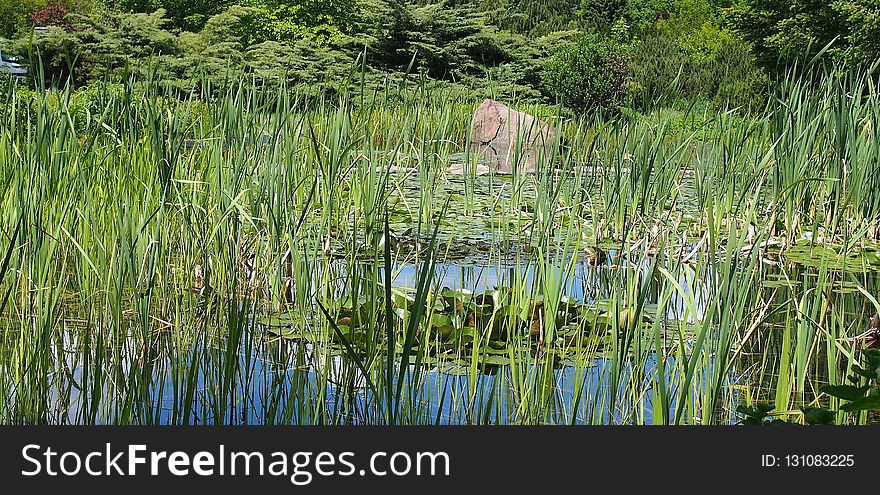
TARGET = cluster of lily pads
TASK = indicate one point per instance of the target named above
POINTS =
(494, 322)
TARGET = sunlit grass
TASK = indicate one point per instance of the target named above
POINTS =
(232, 259)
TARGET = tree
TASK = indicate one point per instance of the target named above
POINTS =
(689, 55)
(643, 14)
(445, 39)
(862, 17)
(319, 20)
(19, 15)
(536, 18)
(601, 14)
(14, 15)
(188, 15)
(96, 43)
(784, 30)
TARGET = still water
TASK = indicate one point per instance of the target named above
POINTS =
(274, 380)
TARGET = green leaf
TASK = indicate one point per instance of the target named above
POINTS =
(491, 349)
(495, 360)
(758, 410)
(818, 416)
(464, 335)
(439, 320)
(442, 324)
(846, 392)
(870, 401)
(872, 356)
(870, 374)
(275, 322)
(455, 368)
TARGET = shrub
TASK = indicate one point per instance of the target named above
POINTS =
(691, 56)
(589, 74)
(601, 14)
(655, 63)
(643, 14)
(243, 25)
(51, 55)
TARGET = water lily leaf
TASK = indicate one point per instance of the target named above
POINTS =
(429, 360)
(495, 360)
(456, 298)
(440, 320)
(289, 332)
(868, 402)
(401, 299)
(345, 302)
(562, 320)
(818, 416)
(348, 335)
(274, 322)
(443, 325)
(482, 309)
(464, 335)
(846, 392)
(455, 368)
(758, 410)
(299, 335)
(775, 284)
(496, 348)
(600, 322)
(344, 330)
(508, 310)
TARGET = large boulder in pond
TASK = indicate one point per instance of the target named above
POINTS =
(511, 140)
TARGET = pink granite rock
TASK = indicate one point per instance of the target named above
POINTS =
(511, 140)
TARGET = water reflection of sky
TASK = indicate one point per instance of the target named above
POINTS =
(582, 281)
(284, 382)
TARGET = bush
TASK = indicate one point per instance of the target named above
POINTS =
(643, 14)
(51, 55)
(655, 63)
(784, 31)
(95, 45)
(734, 78)
(601, 14)
(588, 75)
(690, 56)
(243, 25)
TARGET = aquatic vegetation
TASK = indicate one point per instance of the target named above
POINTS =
(254, 256)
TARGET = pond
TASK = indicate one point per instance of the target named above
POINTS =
(251, 260)
(278, 375)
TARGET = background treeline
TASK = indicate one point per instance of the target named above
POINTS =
(588, 54)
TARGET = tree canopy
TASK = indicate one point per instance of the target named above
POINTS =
(588, 54)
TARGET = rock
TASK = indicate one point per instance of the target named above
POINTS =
(509, 139)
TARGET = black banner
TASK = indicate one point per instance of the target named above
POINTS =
(431, 459)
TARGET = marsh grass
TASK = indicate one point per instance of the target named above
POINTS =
(232, 256)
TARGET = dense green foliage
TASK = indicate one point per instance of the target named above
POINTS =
(210, 211)
(588, 54)
(590, 73)
(783, 30)
(691, 55)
